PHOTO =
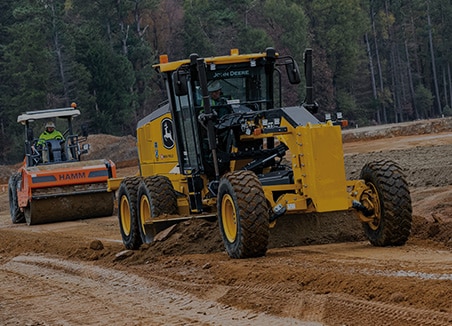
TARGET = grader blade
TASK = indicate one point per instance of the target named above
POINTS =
(315, 228)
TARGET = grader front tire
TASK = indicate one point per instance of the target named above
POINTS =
(389, 198)
(243, 215)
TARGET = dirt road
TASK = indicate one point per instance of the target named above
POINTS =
(78, 273)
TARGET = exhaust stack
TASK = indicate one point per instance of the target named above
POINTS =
(309, 103)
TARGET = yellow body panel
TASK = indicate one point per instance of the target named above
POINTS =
(113, 184)
(155, 157)
(323, 161)
(318, 165)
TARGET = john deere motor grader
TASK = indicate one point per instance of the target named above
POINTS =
(249, 160)
(54, 184)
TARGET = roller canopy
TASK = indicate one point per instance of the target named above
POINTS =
(47, 114)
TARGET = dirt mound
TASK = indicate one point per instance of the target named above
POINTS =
(121, 150)
(5, 172)
(190, 237)
(437, 231)
(203, 237)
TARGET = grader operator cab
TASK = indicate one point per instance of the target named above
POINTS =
(54, 184)
(248, 160)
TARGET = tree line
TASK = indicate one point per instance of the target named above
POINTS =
(376, 61)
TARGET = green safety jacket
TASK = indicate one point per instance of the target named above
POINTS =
(55, 134)
(220, 106)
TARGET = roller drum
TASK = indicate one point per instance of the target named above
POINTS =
(69, 207)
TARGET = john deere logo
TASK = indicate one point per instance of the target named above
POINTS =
(167, 130)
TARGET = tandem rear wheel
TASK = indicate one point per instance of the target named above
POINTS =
(156, 196)
(127, 212)
(139, 201)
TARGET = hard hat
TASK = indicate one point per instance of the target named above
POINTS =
(214, 86)
(50, 124)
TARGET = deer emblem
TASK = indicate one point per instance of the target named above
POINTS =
(167, 129)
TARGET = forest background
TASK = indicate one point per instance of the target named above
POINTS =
(376, 61)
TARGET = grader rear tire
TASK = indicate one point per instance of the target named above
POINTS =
(17, 216)
(156, 196)
(243, 215)
(389, 198)
(127, 213)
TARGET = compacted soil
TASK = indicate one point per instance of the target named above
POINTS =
(319, 270)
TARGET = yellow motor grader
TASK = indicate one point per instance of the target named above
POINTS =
(247, 159)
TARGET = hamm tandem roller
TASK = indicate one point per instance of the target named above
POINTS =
(54, 184)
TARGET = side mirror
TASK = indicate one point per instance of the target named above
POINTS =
(293, 72)
(180, 83)
(85, 149)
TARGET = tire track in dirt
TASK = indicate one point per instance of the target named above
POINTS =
(376, 313)
(333, 309)
(71, 285)
(317, 304)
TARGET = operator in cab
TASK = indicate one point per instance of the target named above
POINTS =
(217, 101)
(50, 133)
(214, 89)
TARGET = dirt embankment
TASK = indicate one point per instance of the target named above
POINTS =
(411, 128)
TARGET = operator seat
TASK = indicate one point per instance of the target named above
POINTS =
(55, 150)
